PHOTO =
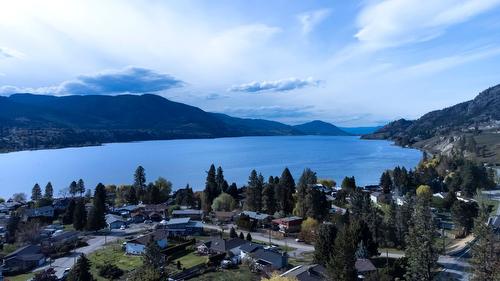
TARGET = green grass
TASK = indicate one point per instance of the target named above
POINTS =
(241, 274)
(113, 254)
(190, 260)
(21, 277)
(304, 258)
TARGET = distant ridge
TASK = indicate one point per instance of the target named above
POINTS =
(360, 130)
(318, 127)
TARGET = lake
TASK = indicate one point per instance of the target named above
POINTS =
(185, 161)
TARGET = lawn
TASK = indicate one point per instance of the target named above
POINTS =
(304, 258)
(190, 259)
(241, 274)
(113, 254)
(22, 277)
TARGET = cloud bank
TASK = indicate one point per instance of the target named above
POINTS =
(281, 85)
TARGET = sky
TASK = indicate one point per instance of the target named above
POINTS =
(352, 63)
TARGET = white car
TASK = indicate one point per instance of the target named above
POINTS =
(123, 227)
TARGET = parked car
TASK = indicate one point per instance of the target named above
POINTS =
(148, 221)
(122, 227)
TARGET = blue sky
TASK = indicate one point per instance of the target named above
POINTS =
(352, 63)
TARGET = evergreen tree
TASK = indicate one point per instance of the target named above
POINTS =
(165, 188)
(97, 215)
(324, 246)
(211, 189)
(403, 217)
(73, 188)
(248, 237)
(253, 200)
(69, 212)
(80, 187)
(420, 251)
(316, 204)
(364, 235)
(233, 191)
(463, 214)
(36, 193)
(349, 184)
(80, 215)
(46, 275)
(386, 182)
(219, 179)
(88, 195)
(307, 178)
(152, 256)
(284, 192)
(485, 251)
(140, 183)
(342, 264)
(242, 236)
(268, 198)
(131, 196)
(232, 233)
(389, 226)
(81, 270)
(49, 191)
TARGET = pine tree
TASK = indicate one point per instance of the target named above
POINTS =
(242, 236)
(485, 258)
(324, 246)
(80, 215)
(73, 188)
(36, 193)
(307, 178)
(219, 179)
(80, 187)
(386, 182)
(49, 191)
(316, 204)
(140, 182)
(342, 264)
(254, 192)
(232, 233)
(233, 190)
(131, 196)
(69, 212)
(152, 256)
(81, 270)
(284, 192)
(349, 184)
(248, 237)
(268, 198)
(96, 218)
(211, 188)
(420, 251)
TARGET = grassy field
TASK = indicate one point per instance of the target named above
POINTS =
(241, 274)
(113, 254)
(190, 259)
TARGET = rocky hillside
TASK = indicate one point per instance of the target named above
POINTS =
(471, 129)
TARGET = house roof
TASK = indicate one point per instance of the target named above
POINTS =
(224, 245)
(224, 214)
(112, 218)
(38, 211)
(250, 247)
(26, 250)
(256, 215)
(129, 208)
(157, 235)
(65, 235)
(313, 272)
(187, 212)
(269, 256)
(178, 221)
(364, 265)
(287, 219)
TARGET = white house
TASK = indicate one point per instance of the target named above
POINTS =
(137, 246)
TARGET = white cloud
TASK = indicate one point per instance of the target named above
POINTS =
(393, 23)
(310, 20)
(281, 85)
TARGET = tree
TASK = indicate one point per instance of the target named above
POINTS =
(463, 214)
(309, 229)
(485, 260)
(341, 266)
(80, 187)
(69, 212)
(19, 197)
(224, 202)
(268, 198)
(73, 188)
(420, 250)
(323, 247)
(49, 191)
(330, 183)
(140, 182)
(81, 270)
(277, 277)
(152, 256)
(449, 200)
(248, 237)
(242, 236)
(219, 179)
(349, 184)
(386, 182)
(424, 191)
(165, 188)
(307, 179)
(284, 192)
(46, 275)
(153, 195)
(316, 204)
(80, 215)
(12, 227)
(232, 233)
(211, 189)
(131, 195)
(36, 193)
(185, 197)
(233, 190)
(254, 192)
(97, 215)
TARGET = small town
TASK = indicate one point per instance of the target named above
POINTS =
(251, 232)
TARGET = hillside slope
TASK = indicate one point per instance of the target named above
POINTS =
(318, 127)
(471, 129)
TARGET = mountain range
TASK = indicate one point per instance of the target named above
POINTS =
(30, 121)
(470, 129)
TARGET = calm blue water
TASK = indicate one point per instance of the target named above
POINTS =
(185, 161)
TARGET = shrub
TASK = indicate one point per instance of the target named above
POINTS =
(110, 271)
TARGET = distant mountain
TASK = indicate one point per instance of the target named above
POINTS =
(360, 130)
(471, 129)
(318, 127)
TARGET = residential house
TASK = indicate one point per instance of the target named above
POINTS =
(62, 238)
(441, 195)
(337, 210)
(321, 188)
(138, 216)
(313, 272)
(24, 259)
(231, 247)
(115, 222)
(126, 210)
(184, 226)
(248, 248)
(137, 246)
(188, 213)
(380, 198)
(363, 267)
(46, 212)
(156, 212)
(288, 224)
(260, 218)
(60, 204)
(224, 217)
(9, 206)
(269, 260)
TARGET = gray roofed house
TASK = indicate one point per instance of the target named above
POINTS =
(314, 272)
(137, 246)
(364, 266)
(269, 259)
(184, 226)
(24, 259)
(221, 245)
(114, 222)
(47, 212)
(257, 216)
(191, 213)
